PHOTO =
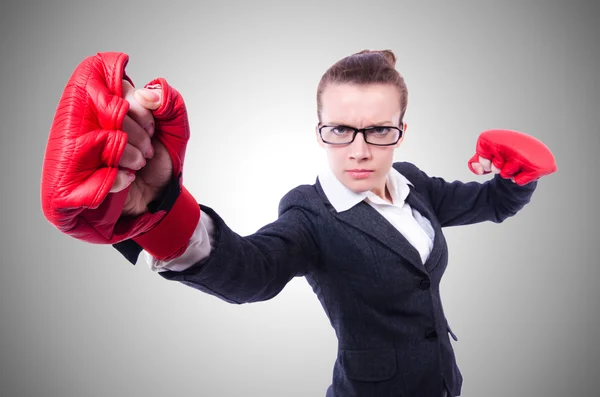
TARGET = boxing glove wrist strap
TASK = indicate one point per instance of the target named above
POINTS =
(170, 237)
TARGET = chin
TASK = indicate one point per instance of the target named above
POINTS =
(359, 186)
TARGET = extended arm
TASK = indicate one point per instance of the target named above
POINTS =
(246, 269)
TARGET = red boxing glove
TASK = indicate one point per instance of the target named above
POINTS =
(84, 148)
(515, 154)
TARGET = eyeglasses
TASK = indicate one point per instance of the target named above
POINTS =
(343, 135)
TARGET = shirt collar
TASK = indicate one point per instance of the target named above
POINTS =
(343, 198)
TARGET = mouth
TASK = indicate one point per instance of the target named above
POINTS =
(359, 173)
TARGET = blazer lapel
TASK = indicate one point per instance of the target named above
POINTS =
(367, 219)
(416, 201)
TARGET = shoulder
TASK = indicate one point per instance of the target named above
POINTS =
(304, 197)
(414, 174)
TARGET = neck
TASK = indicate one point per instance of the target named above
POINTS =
(388, 196)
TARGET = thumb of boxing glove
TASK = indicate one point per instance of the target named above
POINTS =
(170, 237)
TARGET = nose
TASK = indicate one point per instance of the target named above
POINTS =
(359, 149)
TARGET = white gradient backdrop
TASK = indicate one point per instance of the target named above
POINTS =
(79, 320)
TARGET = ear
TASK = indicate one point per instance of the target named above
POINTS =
(405, 127)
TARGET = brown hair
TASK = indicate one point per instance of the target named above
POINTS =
(365, 67)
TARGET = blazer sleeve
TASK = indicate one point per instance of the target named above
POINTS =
(463, 203)
(255, 267)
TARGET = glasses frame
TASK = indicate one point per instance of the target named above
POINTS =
(363, 130)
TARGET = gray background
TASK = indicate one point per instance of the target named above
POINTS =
(79, 320)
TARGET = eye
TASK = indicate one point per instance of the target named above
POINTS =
(340, 130)
(379, 130)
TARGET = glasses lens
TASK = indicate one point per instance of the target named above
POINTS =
(375, 135)
(382, 135)
(337, 134)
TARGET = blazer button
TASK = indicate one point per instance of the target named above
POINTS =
(432, 335)
(425, 284)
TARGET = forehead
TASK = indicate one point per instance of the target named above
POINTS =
(359, 105)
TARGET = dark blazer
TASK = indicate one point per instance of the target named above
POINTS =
(383, 303)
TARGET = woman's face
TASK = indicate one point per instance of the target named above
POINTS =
(361, 106)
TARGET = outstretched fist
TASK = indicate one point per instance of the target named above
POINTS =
(512, 154)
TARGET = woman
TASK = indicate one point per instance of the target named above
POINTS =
(367, 235)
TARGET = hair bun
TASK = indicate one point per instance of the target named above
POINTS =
(389, 56)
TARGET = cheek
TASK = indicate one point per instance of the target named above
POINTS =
(385, 159)
(386, 156)
(335, 157)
